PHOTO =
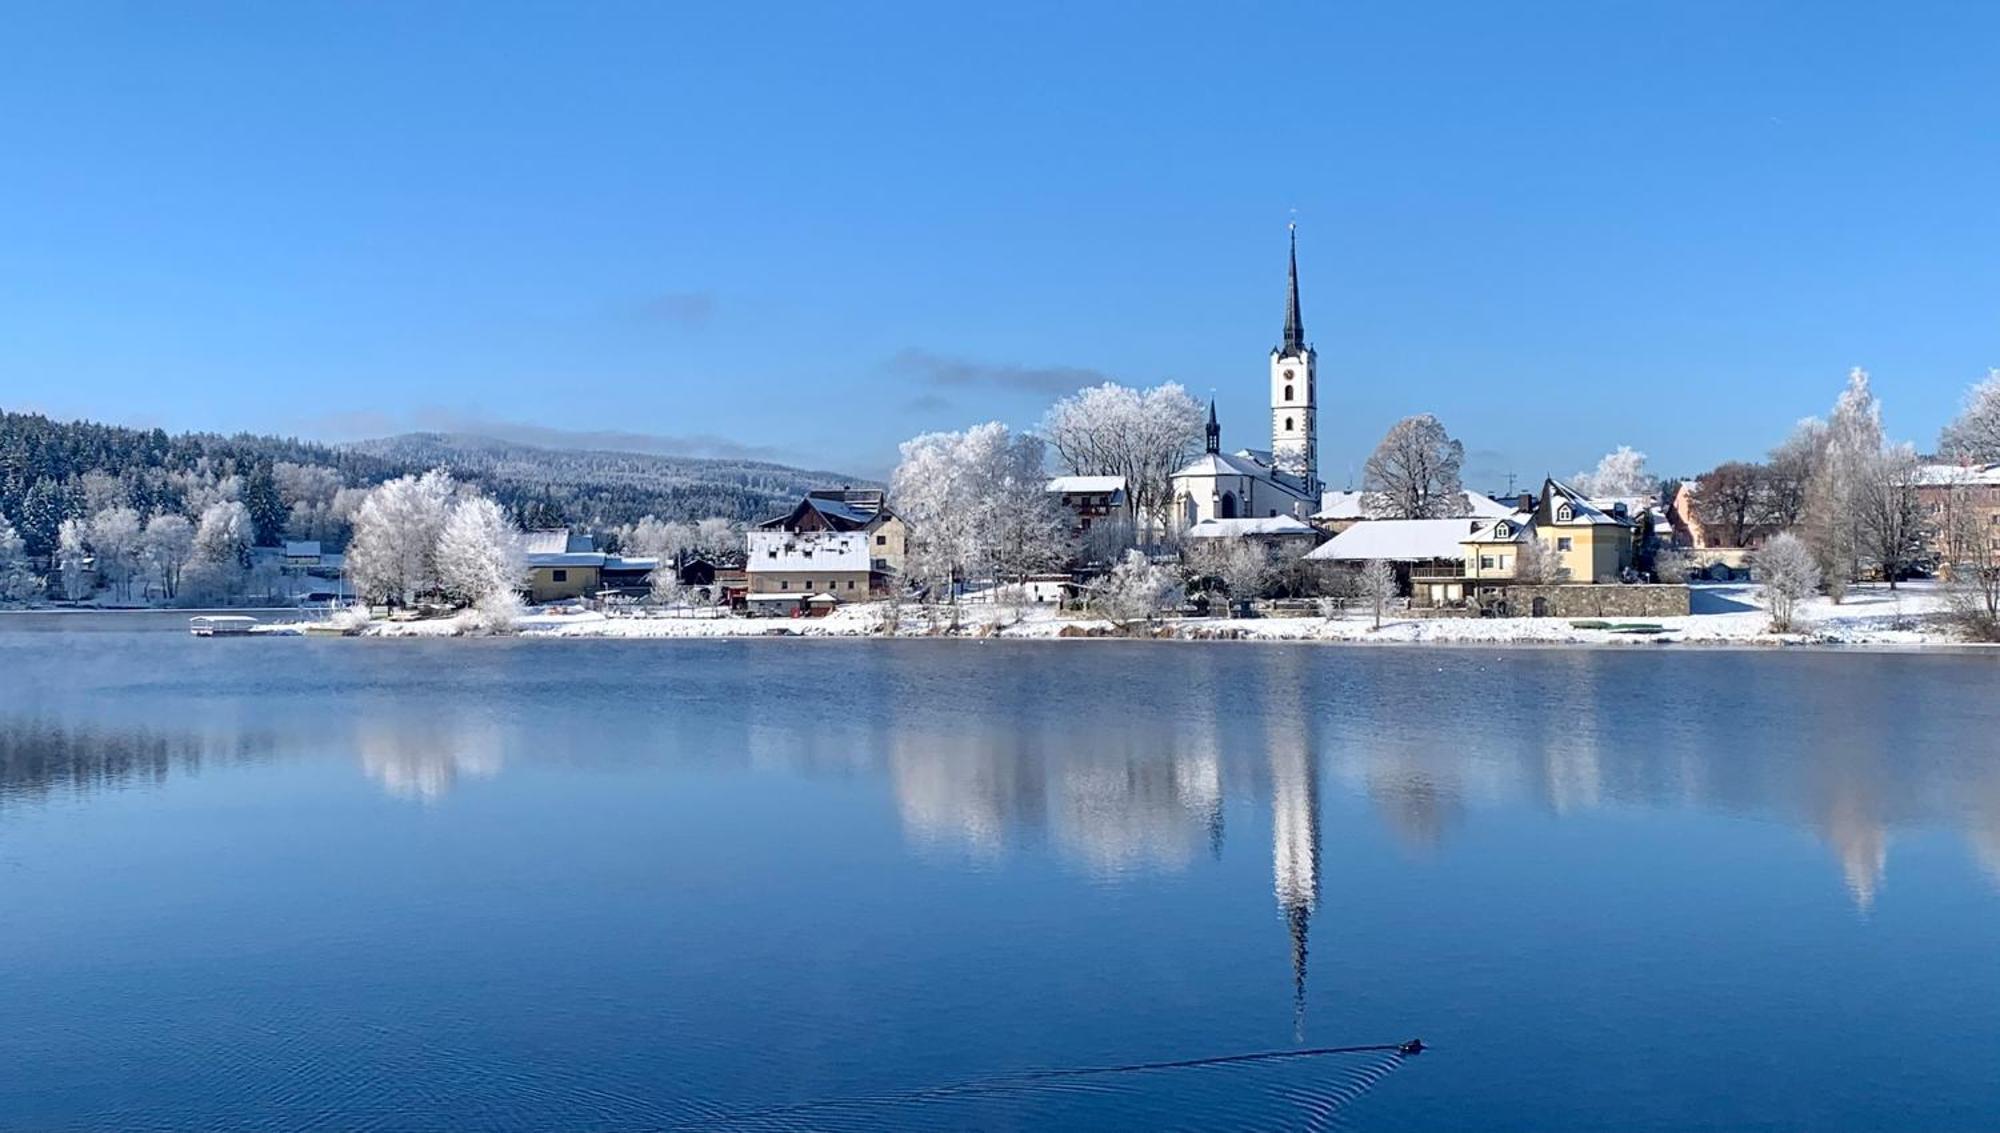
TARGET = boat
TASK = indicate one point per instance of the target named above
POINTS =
(220, 625)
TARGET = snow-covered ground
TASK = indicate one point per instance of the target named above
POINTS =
(1724, 614)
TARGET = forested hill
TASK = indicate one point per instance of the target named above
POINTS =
(51, 471)
(602, 489)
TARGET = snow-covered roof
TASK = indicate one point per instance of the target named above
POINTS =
(1237, 528)
(1222, 464)
(1951, 475)
(1087, 485)
(637, 562)
(1582, 510)
(559, 541)
(565, 559)
(302, 549)
(1513, 527)
(1349, 504)
(807, 550)
(1397, 540)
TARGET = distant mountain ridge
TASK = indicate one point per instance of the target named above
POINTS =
(607, 487)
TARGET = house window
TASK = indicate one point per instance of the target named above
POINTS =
(558, 576)
(850, 584)
(1564, 514)
(1503, 562)
(1486, 562)
(1563, 543)
(881, 540)
(1500, 530)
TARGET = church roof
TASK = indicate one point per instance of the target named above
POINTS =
(1295, 324)
(1223, 464)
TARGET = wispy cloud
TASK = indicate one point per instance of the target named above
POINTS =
(947, 372)
(688, 309)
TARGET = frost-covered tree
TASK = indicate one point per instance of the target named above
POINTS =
(221, 550)
(1890, 522)
(1620, 475)
(392, 556)
(73, 559)
(17, 577)
(1974, 436)
(1414, 473)
(1144, 436)
(976, 504)
(168, 545)
(1853, 448)
(1136, 590)
(1787, 572)
(1242, 566)
(480, 553)
(1378, 586)
(115, 540)
(1536, 562)
(1672, 565)
(1789, 475)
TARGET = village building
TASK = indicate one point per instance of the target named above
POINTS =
(1089, 500)
(1340, 510)
(787, 570)
(565, 564)
(1961, 506)
(863, 511)
(1284, 479)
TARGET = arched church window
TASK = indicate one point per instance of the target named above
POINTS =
(1288, 393)
(1288, 424)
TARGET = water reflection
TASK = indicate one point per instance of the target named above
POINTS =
(422, 756)
(41, 758)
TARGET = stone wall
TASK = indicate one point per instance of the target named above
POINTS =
(1608, 600)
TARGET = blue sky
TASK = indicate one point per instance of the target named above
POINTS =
(809, 232)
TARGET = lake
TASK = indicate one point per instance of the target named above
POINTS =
(602, 885)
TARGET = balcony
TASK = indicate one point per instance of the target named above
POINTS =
(1437, 573)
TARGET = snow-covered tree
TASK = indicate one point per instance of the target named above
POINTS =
(1788, 572)
(1536, 562)
(976, 504)
(1672, 565)
(221, 549)
(1145, 436)
(1889, 520)
(392, 556)
(1620, 475)
(1853, 448)
(1789, 475)
(1974, 436)
(115, 538)
(1414, 473)
(1136, 590)
(479, 551)
(1242, 566)
(17, 578)
(73, 558)
(1378, 586)
(168, 544)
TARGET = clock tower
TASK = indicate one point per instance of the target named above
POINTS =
(1295, 393)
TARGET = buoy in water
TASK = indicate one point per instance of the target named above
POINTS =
(1414, 1046)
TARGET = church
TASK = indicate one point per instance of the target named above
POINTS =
(1257, 483)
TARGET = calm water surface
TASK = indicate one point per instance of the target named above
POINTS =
(607, 885)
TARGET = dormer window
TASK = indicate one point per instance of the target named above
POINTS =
(1564, 513)
(1501, 531)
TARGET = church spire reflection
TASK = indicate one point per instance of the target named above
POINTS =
(1295, 845)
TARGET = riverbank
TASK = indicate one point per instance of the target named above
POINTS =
(1724, 614)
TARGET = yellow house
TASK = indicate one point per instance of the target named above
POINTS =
(562, 564)
(1585, 542)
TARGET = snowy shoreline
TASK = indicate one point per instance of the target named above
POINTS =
(1727, 617)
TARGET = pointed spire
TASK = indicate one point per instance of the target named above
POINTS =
(1295, 327)
(1214, 429)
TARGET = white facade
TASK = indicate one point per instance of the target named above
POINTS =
(823, 551)
(1295, 417)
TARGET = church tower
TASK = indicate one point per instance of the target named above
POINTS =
(1295, 393)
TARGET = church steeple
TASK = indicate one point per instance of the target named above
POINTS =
(1295, 326)
(1214, 429)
